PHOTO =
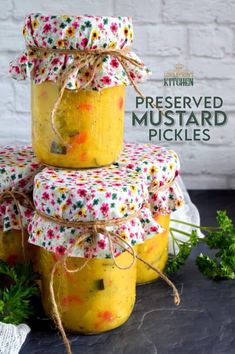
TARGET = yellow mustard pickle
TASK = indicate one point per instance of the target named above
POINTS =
(11, 246)
(154, 251)
(98, 298)
(90, 122)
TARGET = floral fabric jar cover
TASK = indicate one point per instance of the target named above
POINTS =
(18, 167)
(88, 195)
(77, 33)
(160, 167)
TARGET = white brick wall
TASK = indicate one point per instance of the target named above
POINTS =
(200, 35)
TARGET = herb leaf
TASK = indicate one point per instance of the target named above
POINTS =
(175, 262)
(222, 265)
(17, 289)
(220, 239)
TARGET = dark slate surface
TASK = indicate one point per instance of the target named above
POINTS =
(204, 323)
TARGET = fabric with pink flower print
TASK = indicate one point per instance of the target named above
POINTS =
(76, 33)
(160, 166)
(18, 166)
(88, 195)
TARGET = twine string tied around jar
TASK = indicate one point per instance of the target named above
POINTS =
(17, 197)
(82, 59)
(92, 228)
(155, 187)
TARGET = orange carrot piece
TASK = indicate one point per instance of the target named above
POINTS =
(106, 316)
(85, 107)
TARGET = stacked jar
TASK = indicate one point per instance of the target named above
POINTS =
(79, 68)
(18, 167)
(160, 167)
(99, 215)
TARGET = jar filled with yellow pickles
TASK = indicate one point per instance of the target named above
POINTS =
(87, 242)
(17, 169)
(160, 167)
(79, 67)
(155, 251)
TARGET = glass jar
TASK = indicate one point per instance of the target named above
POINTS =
(11, 246)
(154, 251)
(18, 166)
(105, 210)
(79, 67)
(11, 250)
(90, 122)
(98, 298)
(160, 167)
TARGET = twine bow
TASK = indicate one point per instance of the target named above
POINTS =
(91, 229)
(17, 197)
(84, 58)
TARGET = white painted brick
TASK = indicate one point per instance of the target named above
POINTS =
(18, 132)
(226, 11)
(233, 41)
(210, 41)
(140, 43)
(11, 38)
(202, 159)
(222, 88)
(16, 120)
(142, 11)
(22, 96)
(6, 9)
(6, 96)
(209, 11)
(205, 181)
(212, 68)
(189, 12)
(159, 40)
(88, 7)
(166, 40)
(159, 65)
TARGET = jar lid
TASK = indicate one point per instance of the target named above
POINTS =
(18, 166)
(76, 33)
(92, 194)
(107, 193)
(160, 167)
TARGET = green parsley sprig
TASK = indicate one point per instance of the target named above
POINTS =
(17, 289)
(221, 239)
(175, 262)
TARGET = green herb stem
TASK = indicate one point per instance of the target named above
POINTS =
(206, 228)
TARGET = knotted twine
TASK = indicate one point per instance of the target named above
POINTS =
(82, 59)
(91, 229)
(17, 197)
(154, 187)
